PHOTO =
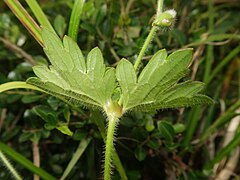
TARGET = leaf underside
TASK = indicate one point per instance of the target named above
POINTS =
(86, 82)
(90, 83)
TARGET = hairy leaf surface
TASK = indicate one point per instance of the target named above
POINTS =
(156, 87)
(70, 77)
(90, 83)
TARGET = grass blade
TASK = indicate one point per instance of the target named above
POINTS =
(192, 126)
(75, 19)
(214, 38)
(212, 108)
(39, 14)
(223, 119)
(25, 19)
(224, 62)
(25, 162)
(224, 152)
(209, 56)
(81, 148)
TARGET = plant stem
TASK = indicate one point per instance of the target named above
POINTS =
(147, 42)
(150, 35)
(17, 85)
(159, 7)
(112, 123)
(99, 121)
(9, 166)
(145, 46)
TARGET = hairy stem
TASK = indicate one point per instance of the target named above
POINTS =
(112, 123)
(150, 36)
(9, 166)
(147, 42)
(145, 46)
(99, 121)
(159, 7)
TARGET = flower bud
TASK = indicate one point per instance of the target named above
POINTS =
(165, 19)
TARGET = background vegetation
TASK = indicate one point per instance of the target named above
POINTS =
(193, 143)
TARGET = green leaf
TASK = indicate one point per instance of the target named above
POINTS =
(29, 98)
(149, 72)
(25, 136)
(127, 78)
(64, 129)
(59, 92)
(140, 153)
(134, 174)
(50, 126)
(90, 83)
(46, 114)
(66, 114)
(55, 51)
(166, 130)
(149, 126)
(154, 144)
(59, 25)
(171, 146)
(70, 77)
(76, 53)
(156, 87)
(179, 128)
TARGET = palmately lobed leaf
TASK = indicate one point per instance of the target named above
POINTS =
(156, 87)
(71, 77)
(90, 83)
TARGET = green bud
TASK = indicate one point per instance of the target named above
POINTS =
(179, 127)
(149, 126)
(165, 19)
